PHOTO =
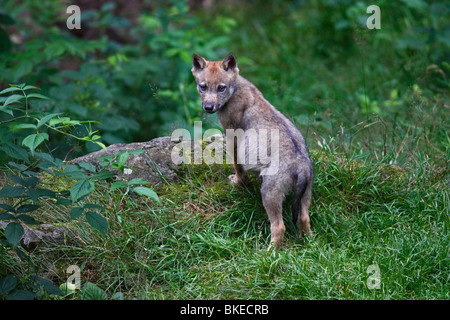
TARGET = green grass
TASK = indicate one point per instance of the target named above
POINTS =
(208, 239)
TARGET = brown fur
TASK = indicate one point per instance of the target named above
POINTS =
(240, 105)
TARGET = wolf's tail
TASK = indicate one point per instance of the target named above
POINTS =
(300, 188)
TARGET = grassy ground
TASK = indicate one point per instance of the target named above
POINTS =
(208, 239)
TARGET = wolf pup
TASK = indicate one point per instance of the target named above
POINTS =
(240, 105)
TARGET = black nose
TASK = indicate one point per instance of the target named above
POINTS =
(208, 107)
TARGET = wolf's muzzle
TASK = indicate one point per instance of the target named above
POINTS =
(210, 108)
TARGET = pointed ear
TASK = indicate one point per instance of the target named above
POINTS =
(229, 63)
(198, 62)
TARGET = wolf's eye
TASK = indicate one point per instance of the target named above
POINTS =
(202, 87)
(221, 88)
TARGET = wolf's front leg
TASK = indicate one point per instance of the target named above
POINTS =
(239, 177)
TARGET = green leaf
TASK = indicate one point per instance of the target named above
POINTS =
(65, 121)
(21, 295)
(144, 191)
(25, 67)
(105, 160)
(63, 202)
(27, 219)
(75, 175)
(34, 194)
(34, 140)
(7, 216)
(54, 122)
(101, 145)
(137, 181)
(29, 87)
(92, 292)
(67, 288)
(7, 207)
(118, 296)
(136, 152)
(88, 166)
(11, 192)
(47, 157)
(53, 50)
(76, 212)
(95, 137)
(17, 179)
(7, 284)
(47, 118)
(18, 166)
(47, 285)
(23, 256)
(122, 158)
(7, 110)
(13, 98)
(70, 168)
(97, 222)
(13, 232)
(31, 182)
(27, 208)
(9, 90)
(81, 188)
(22, 126)
(117, 185)
(37, 95)
(104, 174)
(15, 151)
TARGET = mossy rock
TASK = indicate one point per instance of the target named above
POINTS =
(155, 164)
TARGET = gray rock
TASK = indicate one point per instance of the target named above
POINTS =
(154, 164)
(44, 235)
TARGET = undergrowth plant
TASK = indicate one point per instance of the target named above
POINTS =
(27, 185)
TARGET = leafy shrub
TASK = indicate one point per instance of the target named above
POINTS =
(25, 135)
(136, 87)
(31, 288)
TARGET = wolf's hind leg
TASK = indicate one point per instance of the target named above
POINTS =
(303, 219)
(273, 201)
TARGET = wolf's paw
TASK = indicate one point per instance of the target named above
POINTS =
(306, 233)
(235, 180)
